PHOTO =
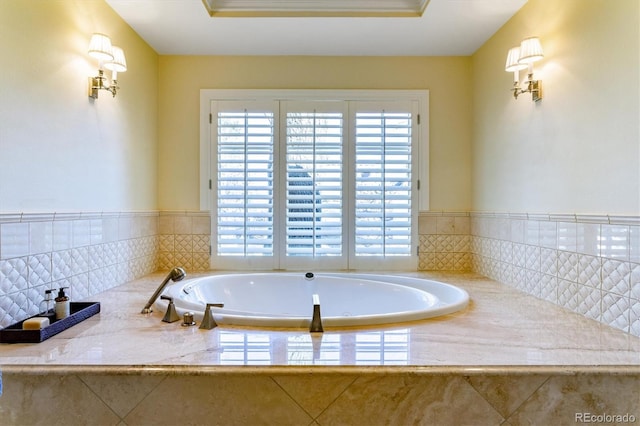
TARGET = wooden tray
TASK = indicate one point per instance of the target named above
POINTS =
(80, 311)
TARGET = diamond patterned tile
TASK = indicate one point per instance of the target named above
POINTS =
(39, 269)
(444, 243)
(96, 256)
(61, 264)
(79, 286)
(549, 261)
(616, 277)
(506, 274)
(567, 292)
(533, 258)
(35, 297)
(14, 275)
(519, 255)
(519, 277)
(183, 244)
(549, 288)
(13, 308)
(461, 244)
(568, 266)
(506, 251)
(96, 280)
(444, 261)
(494, 249)
(110, 253)
(431, 242)
(201, 243)
(533, 286)
(616, 311)
(635, 281)
(183, 259)
(589, 270)
(201, 261)
(79, 260)
(588, 302)
(462, 262)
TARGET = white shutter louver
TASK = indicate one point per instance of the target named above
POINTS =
(314, 184)
(245, 183)
(383, 184)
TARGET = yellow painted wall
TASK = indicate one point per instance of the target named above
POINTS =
(447, 78)
(578, 150)
(59, 150)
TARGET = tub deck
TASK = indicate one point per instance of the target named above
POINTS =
(508, 355)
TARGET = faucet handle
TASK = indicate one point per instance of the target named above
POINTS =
(171, 315)
(208, 322)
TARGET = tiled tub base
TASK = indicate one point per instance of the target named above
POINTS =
(317, 396)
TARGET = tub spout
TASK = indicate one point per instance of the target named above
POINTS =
(316, 320)
(176, 274)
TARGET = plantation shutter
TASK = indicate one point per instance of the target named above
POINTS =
(383, 198)
(245, 182)
(314, 173)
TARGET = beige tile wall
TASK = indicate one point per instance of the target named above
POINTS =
(184, 240)
(378, 398)
(586, 263)
(86, 252)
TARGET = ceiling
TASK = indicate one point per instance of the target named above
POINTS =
(447, 28)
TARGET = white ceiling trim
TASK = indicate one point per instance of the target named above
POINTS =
(315, 8)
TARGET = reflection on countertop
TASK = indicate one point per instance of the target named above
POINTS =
(501, 328)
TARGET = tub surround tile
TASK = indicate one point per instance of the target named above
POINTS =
(229, 400)
(121, 393)
(56, 399)
(409, 400)
(561, 398)
(314, 400)
(506, 393)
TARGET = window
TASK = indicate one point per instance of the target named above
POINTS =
(327, 183)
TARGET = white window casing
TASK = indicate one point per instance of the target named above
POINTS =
(318, 180)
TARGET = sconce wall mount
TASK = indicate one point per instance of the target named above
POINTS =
(110, 57)
(521, 57)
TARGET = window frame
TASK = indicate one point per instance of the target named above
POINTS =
(419, 100)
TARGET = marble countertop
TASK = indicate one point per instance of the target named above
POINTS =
(501, 330)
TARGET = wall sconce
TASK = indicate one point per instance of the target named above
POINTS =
(522, 57)
(109, 57)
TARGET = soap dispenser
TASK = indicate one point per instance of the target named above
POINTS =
(63, 307)
(46, 306)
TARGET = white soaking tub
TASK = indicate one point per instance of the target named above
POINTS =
(286, 299)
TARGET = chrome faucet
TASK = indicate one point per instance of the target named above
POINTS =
(175, 275)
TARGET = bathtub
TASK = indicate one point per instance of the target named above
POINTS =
(286, 299)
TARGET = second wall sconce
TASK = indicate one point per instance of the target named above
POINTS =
(109, 57)
(522, 57)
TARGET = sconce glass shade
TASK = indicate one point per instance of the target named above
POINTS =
(530, 50)
(100, 47)
(512, 64)
(119, 63)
